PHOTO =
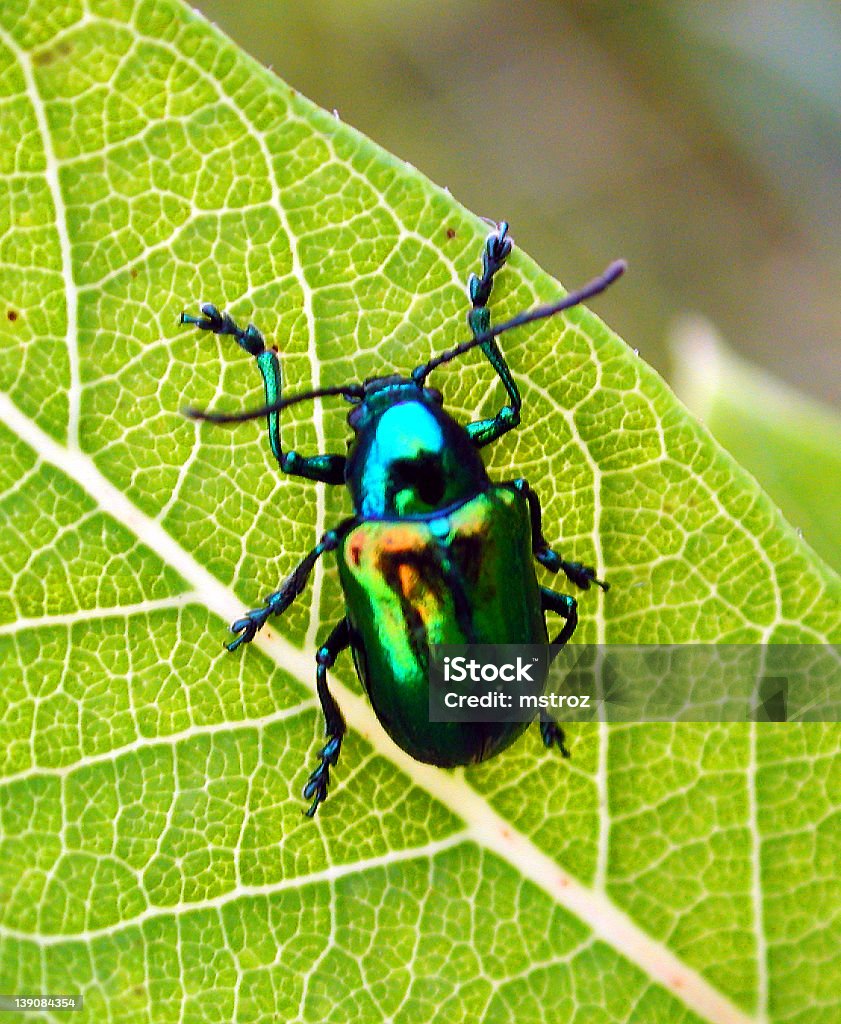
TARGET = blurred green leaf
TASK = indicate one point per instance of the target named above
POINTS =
(153, 854)
(791, 444)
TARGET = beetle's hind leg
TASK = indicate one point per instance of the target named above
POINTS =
(567, 607)
(552, 734)
(328, 469)
(496, 252)
(334, 723)
(581, 575)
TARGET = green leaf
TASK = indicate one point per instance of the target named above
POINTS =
(787, 440)
(153, 854)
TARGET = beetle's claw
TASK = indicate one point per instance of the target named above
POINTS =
(583, 575)
(316, 787)
(211, 321)
(247, 628)
(319, 780)
(499, 245)
(590, 573)
(243, 638)
(497, 248)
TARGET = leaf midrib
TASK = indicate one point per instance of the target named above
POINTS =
(50, 172)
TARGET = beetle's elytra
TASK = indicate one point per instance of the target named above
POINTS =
(434, 553)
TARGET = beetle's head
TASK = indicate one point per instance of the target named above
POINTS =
(380, 393)
(408, 457)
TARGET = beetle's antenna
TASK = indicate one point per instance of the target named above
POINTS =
(353, 392)
(594, 287)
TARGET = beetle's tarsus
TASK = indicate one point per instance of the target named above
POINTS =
(319, 781)
(496, 251)
(275, 604)
(583, 576)
(335, 728)
(553, 735)
(247, 627)
(250, 339)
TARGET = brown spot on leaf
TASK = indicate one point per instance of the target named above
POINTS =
(52, 53)
(451, 232)
(12, 315)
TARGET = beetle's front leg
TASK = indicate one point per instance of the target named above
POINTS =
(292, 587)
(496, 251)
(328, 469)
(581, 575)
(334, 723)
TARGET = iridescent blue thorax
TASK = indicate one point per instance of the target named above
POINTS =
(409, 457)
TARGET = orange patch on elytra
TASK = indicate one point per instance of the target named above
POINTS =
(402, 538)
(409, 578)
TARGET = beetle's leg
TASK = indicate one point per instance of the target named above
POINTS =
(566, 606)
(292, 587)
(494, 255)
(455, 583)
(552, 734)
(334, 723)
(581, 575)
(328, 469)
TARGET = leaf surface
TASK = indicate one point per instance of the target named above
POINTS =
(153, 855)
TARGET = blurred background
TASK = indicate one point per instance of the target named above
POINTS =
(701, 141)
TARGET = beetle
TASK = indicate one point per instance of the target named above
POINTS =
(435, 552)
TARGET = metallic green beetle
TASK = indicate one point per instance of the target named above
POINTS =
(435, 553)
